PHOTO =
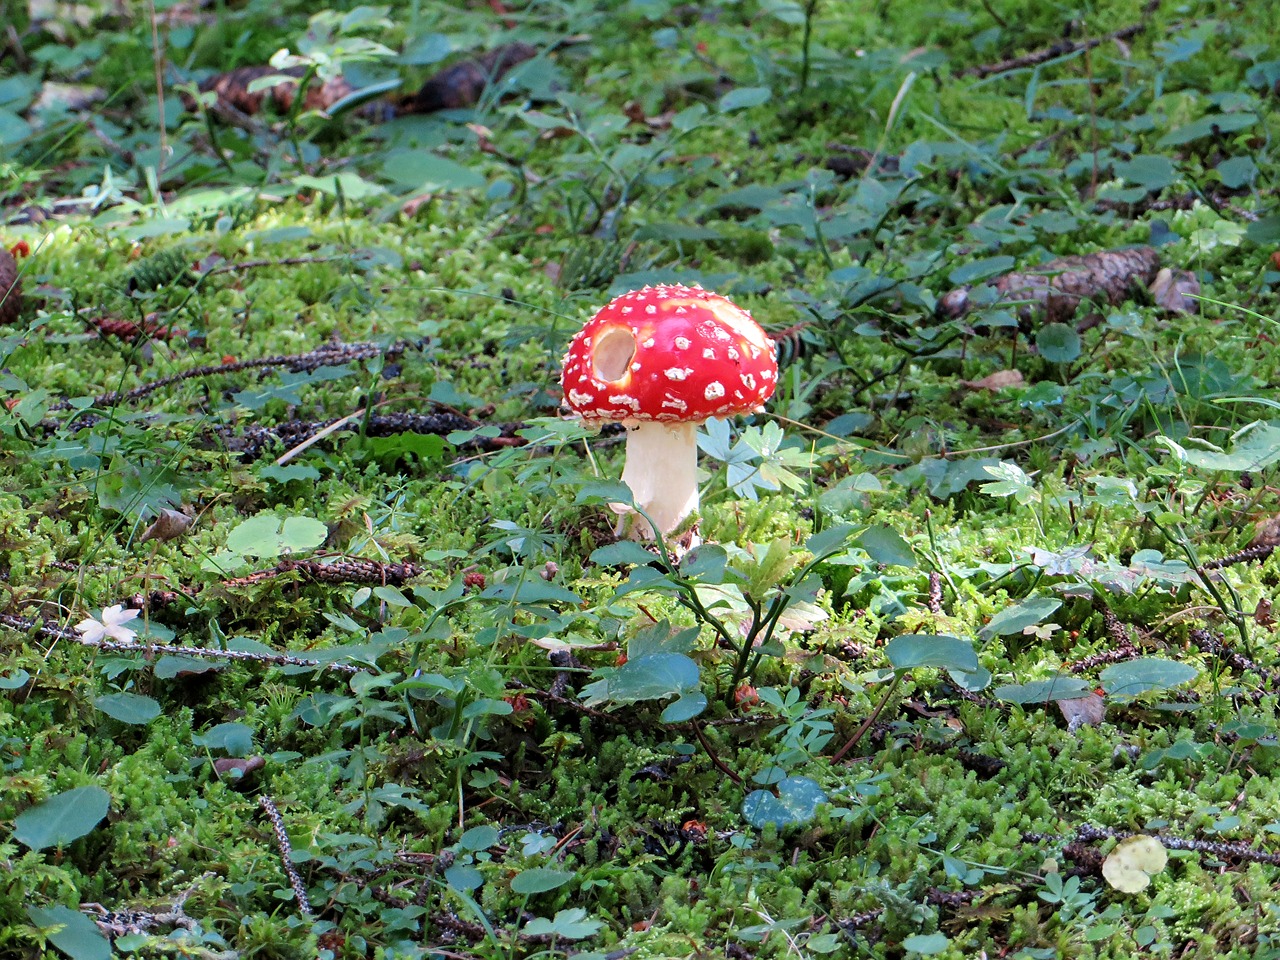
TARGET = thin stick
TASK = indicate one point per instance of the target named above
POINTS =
(318, 436)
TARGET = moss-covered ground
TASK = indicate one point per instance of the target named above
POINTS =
(950, 639)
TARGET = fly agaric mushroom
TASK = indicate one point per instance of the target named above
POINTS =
(660, 361)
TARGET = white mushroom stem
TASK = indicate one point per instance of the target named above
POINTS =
(662, 472)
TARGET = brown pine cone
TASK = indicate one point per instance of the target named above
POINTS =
(10, 288)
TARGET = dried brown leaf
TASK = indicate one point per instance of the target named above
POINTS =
(1175, 290)
(170, 525)
(1081, 711)
(999, 380)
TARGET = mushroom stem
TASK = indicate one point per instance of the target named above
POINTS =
(662, 472)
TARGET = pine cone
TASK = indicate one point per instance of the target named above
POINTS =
(10, 288)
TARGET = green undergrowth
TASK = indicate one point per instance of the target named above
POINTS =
(948, 639)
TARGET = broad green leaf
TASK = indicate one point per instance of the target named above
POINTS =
(603, 491)
(1255, 446)
(687, 707)
(571, 924)
(1150, 171)
(539, 880)
(479, 838)
(885, 546)
(128, 707)
(420, 171)
(266, 536)
(929, 650)
(744, 97)
(1212, 125)
(463, 877)
(1020, 616)
(651, 677)
(1135, 677)
(1043, 691)
(62, 818)
(14, 681)
(830, 540)
(78, 937)
(983, 269)
(926, 944)
(1058, 343)
(530, 590)
(235, 738)
(705, 562)
(351, 185)
(795, 803)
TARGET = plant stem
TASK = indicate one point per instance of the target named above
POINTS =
(866, 724)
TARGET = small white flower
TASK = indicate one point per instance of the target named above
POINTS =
(111, 625)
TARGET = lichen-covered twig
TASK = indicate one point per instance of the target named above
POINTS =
(31, 625)
(327, 355)
(286, 853)
(1062, 48)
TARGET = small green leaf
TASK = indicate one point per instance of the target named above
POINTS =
(976, 270)
(1149, 171)
(1020, 616)
(1058, 343)
(463, 877)
(1043, 691)
(1135, 677)
(235, 738)
(62, 818)
(571, 924)
(830, 540)
(928, 650)
(128, 707)
(14, 681)
(687, 707)
(926, 944)
(621, 553)
(267, 536)
(744, 97)
(885, 546)
(539, 880)
(796, 803)
(479, 838)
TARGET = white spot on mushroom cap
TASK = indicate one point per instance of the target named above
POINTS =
(749, 381)
(708, 354)
(580, 398)
(677, 373)
(681, 343)
(624, 400)
(715, 390)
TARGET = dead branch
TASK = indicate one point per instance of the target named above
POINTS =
(31, 625)
(342, 570)
(332, 354)
(1062, 48)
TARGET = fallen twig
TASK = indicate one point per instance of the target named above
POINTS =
(331, 354)
(1060, 49)
(286, 854)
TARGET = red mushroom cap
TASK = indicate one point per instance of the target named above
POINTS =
(670, 353)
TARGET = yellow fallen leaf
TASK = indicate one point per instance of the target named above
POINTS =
(1134, 861)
